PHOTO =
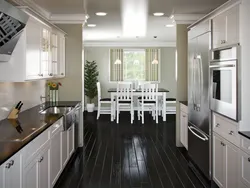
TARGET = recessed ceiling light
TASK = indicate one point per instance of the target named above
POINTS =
(101, 13)
(158, 14)
(170, 25)
(91, 25)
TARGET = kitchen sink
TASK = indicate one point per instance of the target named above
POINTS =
(57, 110)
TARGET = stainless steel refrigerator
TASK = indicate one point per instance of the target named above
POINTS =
(198, 97)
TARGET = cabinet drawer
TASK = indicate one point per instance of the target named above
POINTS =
(244, 173)
(184, 108)
(34, 146)
(57, 126)
(245, 144)
(226, 128)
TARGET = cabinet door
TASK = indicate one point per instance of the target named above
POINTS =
(64, 151)
(218, 161)
(232, 26)
(55, 54)
(33, 50)
(62, 56)
(231, 170)
(244, 168)
(31, 177)
(44, 169)
(219, 30)
(71, 139)
(55, 166)
(183, 129)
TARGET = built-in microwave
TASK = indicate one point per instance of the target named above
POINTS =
(224, 82)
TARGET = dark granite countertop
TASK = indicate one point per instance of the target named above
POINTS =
(184, 102)
(15, 134)
(245, 134)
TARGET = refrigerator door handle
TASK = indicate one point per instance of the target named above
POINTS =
(204, 138)
(194, 82)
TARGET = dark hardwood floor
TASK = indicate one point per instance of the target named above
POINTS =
(125, 155)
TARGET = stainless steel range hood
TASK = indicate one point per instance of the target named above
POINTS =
(12, 23)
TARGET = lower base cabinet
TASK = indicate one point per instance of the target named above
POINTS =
(244, 172)
(225, 166)
(37, 173)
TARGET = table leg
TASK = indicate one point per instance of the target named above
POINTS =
(112, 107)
(164, 106)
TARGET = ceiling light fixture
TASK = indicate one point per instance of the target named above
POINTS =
(170, 25)
(134, 17)
(172, 16)
(158, 14)
(101, 13)
(91, 25)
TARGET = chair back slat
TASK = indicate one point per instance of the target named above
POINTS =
(149, 92)
(99, 90)
(124, 91)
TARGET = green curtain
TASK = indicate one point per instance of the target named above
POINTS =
(116, 70)
(152, 67)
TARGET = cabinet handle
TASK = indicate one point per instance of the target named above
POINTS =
(248, 159)
(223, 41)
(40, 160)
(8, 165)
(217, 125)
(231, 133)
(12, 162)
(40, 74)
(62, 74)
(184, 116)
(222, 143)
(50, 74)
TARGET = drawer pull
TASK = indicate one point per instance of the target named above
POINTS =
(40, 160)
(217, 125)
(231, 133)
(222, 143)
(8, 165)
(248, 159)
(12, 162)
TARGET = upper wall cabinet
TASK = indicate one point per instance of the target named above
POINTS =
(226, 28)
(39, 54)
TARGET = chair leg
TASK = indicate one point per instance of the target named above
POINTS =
(142, 116)
(156, 111)
(117, 114)
(98, 110)
(132, 113)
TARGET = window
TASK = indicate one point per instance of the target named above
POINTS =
(134, 64)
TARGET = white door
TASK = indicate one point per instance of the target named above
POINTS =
(31, 178)
(44, 168)
(218, 161)
(71, 139)
(219, 30)
(231, 159)
(64, 149)
(244, 172)
(232, 26)
(33, 50)
(55, 166)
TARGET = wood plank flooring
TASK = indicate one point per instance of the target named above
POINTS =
(128, 156)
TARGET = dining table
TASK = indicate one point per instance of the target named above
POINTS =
(138, 93)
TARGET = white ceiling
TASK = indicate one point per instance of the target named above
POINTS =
(109, 27)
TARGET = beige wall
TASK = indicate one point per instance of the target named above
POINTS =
(101, 56)
(12, 93)
(71, 89)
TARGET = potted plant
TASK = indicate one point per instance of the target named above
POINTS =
(90, 80)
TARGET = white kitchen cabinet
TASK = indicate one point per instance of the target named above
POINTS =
(244, 166)
(11, 170)
(184, 126)
(71, 140)
(56, 150)
(218, 161)
(37, 173)
(226, 28)
(225, 165)
(61, 65)
(64, 151)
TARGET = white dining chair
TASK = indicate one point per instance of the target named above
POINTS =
(148, 101)
(170, 106)
(103, 101)
(124, 100)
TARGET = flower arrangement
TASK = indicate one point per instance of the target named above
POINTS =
(54, 85)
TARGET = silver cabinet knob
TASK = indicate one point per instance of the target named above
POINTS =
(222, 144)
(40, 75)
(8, 165)
(217, 125)
(248, 159)
(231, 133)
(40, 160)
(62, 74)
(50, 74)
(223, 41)
(12, 162)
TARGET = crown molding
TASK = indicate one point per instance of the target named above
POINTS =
(187, 18)
(69, 18)
(128, 44)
